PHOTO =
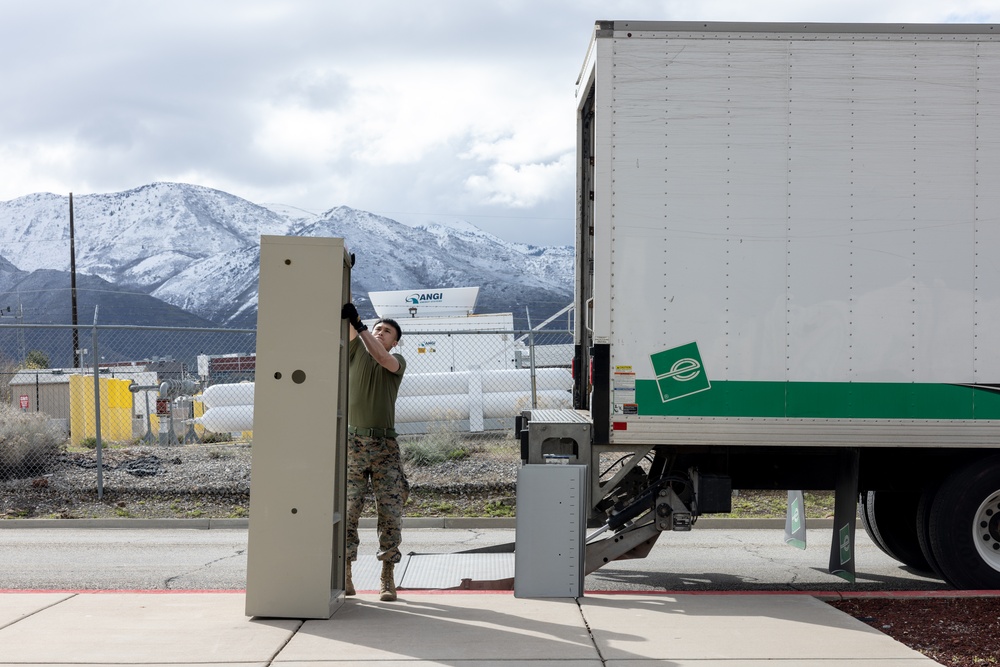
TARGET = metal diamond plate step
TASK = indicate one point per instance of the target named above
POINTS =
(440, 572)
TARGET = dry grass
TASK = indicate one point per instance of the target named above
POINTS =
(28, 444)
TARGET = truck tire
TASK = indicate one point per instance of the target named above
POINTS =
(924, 525)
(866, 522)
(964, 527)
(893, 519)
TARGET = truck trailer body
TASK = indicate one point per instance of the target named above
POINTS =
(788, 277)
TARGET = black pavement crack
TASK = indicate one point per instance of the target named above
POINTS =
(590, 633)
(167, 582)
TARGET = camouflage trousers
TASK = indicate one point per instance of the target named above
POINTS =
(376, 460)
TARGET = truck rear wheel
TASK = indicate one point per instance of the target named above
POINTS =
(924, 525)
(866, 522)
(965, 526)
(892, 524)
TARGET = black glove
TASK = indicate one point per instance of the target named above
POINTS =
(349, 312)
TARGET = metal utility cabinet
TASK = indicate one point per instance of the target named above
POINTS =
(787, 278)
(549, 558)
(296, 551)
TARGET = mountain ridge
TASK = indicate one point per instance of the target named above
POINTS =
(196, 249)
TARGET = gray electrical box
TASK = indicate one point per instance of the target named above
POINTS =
(551, 531)
(296, 550)
(559, 433)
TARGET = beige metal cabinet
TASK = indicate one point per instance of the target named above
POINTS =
(296, 551)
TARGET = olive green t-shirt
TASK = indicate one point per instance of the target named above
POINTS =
(372, 389)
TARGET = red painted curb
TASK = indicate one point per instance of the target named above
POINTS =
(151, 591)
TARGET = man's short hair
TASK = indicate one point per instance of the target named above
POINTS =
(392, 323)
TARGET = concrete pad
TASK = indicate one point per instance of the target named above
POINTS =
(16, 606)
(147, 629)
(446, 626)
(734, 627)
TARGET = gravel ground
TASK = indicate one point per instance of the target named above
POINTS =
(214, 481)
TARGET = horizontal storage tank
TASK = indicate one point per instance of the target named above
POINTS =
(227, 418)
(424, 397)
(227, 394)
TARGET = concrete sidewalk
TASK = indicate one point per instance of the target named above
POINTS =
(458, 629)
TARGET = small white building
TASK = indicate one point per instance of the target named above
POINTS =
(442, 333)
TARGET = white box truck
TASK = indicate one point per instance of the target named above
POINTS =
(788, 277)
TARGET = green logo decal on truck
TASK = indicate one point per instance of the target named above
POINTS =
(845, 544)
(679, 372)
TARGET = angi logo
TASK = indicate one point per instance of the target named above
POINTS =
(679, 372)
(417, 298)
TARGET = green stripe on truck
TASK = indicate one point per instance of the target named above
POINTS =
(826, 400)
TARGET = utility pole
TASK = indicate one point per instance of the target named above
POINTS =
(72, 284)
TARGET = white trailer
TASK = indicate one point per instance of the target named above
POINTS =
(788, 278)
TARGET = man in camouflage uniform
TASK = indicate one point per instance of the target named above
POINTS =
(373, 453)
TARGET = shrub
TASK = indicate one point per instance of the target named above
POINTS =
(28, 443)
(434, 448)
(37, 359)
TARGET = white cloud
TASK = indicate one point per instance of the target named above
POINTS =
(40, 167)
(523, 186)
(297, 134)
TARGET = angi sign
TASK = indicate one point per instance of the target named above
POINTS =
(442, 302)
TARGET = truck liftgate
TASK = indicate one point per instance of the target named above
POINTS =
(630, 496)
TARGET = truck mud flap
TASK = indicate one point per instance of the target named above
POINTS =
(795, 520)
(845, 512)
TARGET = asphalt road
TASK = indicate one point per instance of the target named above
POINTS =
(187, 559)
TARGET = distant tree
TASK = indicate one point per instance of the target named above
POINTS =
(37, 359)
(7, 370)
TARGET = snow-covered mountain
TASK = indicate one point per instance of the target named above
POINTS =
(197, 250)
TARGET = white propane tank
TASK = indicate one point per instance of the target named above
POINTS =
(227, 394)
(492, 406)
(491, 380)
(493, 394)
(227, 418)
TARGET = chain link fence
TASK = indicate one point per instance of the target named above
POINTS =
(157, 421)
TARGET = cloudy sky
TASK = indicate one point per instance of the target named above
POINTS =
(421, 111)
